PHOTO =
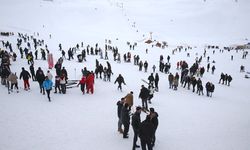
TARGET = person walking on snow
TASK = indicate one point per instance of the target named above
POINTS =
(125, 120)
(25, 75)
(120, 104)
(40, 77)
(90, 82)
(129, 99)
(144, 97)
(120, 80)
(146, 133)
(47, 85)
(13, 81)
(82, 83)
(136, 122)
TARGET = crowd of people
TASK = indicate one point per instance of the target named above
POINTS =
(190, 77)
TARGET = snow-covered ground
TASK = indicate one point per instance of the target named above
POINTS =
(75, 121)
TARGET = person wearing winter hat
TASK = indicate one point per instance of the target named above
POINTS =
(136, 122)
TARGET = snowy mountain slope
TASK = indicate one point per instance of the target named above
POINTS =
(76, 121)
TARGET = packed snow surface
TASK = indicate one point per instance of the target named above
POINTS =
(75, 122)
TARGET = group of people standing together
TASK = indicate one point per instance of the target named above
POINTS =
(145, 130)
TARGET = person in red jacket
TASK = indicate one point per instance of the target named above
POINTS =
(90, 82)
(82, 83)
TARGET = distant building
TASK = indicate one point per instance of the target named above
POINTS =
(247, 46)
(243, 46)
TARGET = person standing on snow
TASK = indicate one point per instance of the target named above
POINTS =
(151, 92)
(82, 83)
(144, 97)
(50, 76)
(229, 79)
(47, 85)
(154, 119)
(120, 104)
(125, 120)
(146, 133)
(90, 82)
(57, 84)
(145, 66)
(151, 78)
(120, 80)
(32, 72)
(25, 75)
(63, 83)
(129, 99)
(213, 68)
(13, 81)
(156, 82)
(136, 122)
(40, 77)
(170, 80)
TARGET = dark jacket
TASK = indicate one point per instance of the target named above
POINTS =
(136, 121)
(156, 78)
(40, 77)
(154, 120)
(120, 80)
(151, 78)
(144, 93)
(125, 115)
(119, 108)
(146, 130)
(25, 75)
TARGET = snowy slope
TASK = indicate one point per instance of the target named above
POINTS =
(76, 121)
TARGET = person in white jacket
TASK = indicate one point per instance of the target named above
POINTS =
(49, 75)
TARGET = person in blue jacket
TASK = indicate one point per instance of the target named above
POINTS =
(47, 85)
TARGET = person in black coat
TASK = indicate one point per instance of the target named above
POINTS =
(229, 79)
(151, 78)
(202, 70)
(146, 133)
(120, 80)
(25, 75)
(125, 119)
(64, 71)
(145, 66)
(154, 119)
(120, 104)
(32, 72)
(156, 81)
(40, 77)
(213, 68)
(194, 82)
(222, 77)
(5, 72)
(209, 88)
(136, 122)
(144, 93)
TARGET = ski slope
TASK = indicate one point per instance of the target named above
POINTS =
(75, 121)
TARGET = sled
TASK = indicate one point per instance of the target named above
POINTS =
(71, 84)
